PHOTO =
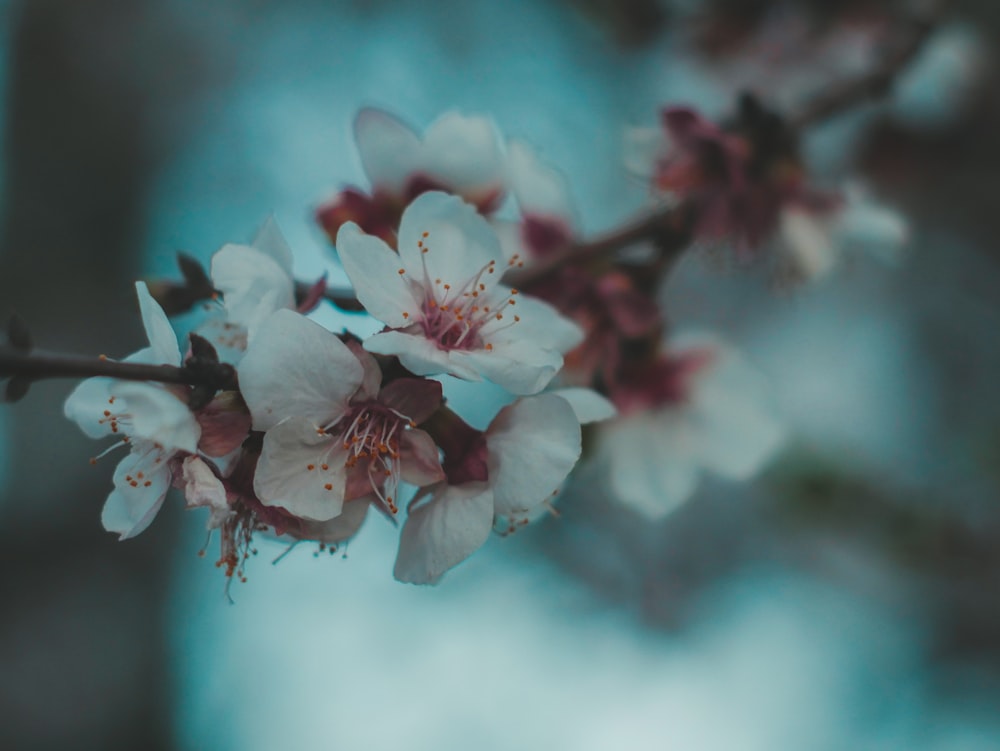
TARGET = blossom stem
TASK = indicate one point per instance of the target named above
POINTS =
(665, 228)
(342, 298)
(878, 82)
(37, 365)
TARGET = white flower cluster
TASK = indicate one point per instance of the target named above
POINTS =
(317, 428)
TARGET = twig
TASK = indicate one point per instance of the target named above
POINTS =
(37, 365)
(844, 96)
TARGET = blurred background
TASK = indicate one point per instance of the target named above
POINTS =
(848, 598)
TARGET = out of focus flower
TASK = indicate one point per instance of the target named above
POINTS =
(441, 299)
(458, 154)
(548, 218)
(737, 182)
(153, 421)
(255, 280)
(333, 434)
(698, 407)
(503, 475)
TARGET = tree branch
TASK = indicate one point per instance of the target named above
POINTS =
(845, 95)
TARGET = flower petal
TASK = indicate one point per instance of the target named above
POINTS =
(533, 444)
(738, 432)
(651, 462)
(443, 532)
(521, 367)
(419, 355)
(284, 478)
(587, 404)
(141, 484)
(271, 242)
(464, 152)
(296, 368)
(459, 244)
(160, 333)
(387, 147)
(86, 405)
(203, 488)
(420, 463)
(538, 188)
(253, 285)
(157, 414)
(373, 269)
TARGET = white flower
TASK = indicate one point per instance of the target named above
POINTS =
(152, 420)
(255, 280)
(717, 419)
(528, 450)
(442, 299)
(332, 433)
(462, 154)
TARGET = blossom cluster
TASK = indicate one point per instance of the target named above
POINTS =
(320, 427)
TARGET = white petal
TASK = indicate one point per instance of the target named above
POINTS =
(253, 285)
(464, 152)
(270, 241)
(866, 226)
(296, 368)
(460, 243)
(539, 189)
(419, 355)
(86, 405)
(444, 532)
(157, 414)
(521, 367)
(587, 404)
(533, 444)
(203, 488)
(373, 269)
(809, 241)
(651, 464)
(131, 508)
(738, 431)
(540, 323)
(387, 147)
(160, 333)
(283, 477)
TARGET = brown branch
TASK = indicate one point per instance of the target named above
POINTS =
(845, 95)
(666, 228)
(38, 365)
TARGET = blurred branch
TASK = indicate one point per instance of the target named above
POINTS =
(841, 97)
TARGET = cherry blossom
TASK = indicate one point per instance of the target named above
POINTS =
(736, 181)
(698, 407)
(442, 302)
(255, 280)
(502, 475)
(460, 154)
(153, 421)
(333, 431)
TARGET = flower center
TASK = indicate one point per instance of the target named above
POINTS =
(370, 436)
(462, 316)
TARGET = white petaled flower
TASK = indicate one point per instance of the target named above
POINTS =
(527, 452)
(462, 154)
(713, 414)
(441, 298)
(255, 280)
(332, 434)
(152, 420)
